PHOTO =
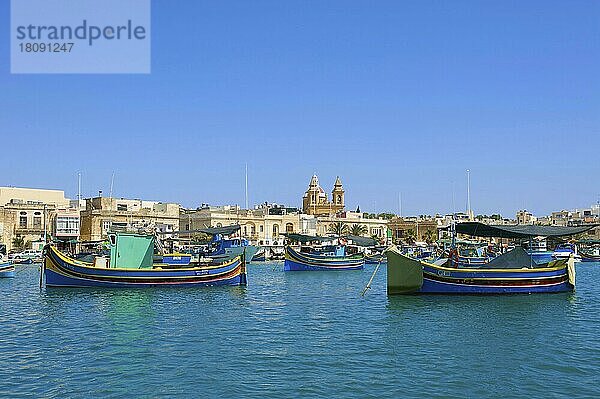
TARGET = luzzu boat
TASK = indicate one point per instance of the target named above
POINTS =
(131, 265)
(332, 258)
(7, 269)
(510, 273)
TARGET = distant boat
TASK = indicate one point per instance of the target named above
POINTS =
(7, 269)
(224, 245)
(131, 265)
(324, 253)
(564, 251)
(510, 273)
(331, 257)
(589, 250)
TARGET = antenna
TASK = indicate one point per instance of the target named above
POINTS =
(246, 186)
(112, 181)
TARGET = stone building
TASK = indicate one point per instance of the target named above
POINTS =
(377, 227)
(105, 214)
(422, 229)
(261, 226)
(27, 215)
(524, 217)
(315, 201)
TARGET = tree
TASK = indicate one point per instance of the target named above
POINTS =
(430, 236)
(201, 238)
(410, 236)
(18, 242)
(358, 229)
(338, 228)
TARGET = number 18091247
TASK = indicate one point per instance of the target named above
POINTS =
(46, 47)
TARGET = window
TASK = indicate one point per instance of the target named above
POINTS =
(122, 207)
(275, 230)
(253, 229)
(261, 229)
(37, 222)
(23, 222)
(106, 226)
(289, 228)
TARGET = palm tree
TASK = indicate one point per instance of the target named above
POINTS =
(409, 236)
(358, 229)
(18, 242)
(430, 236)
(338, 228)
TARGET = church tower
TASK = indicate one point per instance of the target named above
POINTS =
(314, 197)
(315, 201)
(338, 195)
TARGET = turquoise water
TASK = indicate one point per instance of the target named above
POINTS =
(304, 334)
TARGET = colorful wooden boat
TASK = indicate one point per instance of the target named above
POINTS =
(411, 276)
(131, 265)
(590, 256)
(300, 261)
(7, 269)
(510, 273)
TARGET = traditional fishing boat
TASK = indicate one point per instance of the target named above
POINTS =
(589, 250)
(566, 250)
(7, 269)
(226, 243)
(131, 265)
(321, 257)
(509, 273)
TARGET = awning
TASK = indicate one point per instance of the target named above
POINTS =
(362, 241)
(225, 230)
(477, 229)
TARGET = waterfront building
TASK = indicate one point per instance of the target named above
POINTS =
(27, 215)
(524, 217)
(104, 214)
(372, 227)
(262, 225)
(418, 229)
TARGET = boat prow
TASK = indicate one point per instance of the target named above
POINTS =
(405, 275)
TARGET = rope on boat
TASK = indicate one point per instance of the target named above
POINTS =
(375, 271)
(43, 265)
(372, 277)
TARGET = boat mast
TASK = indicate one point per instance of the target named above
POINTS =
(469, 193)
(246, 196)
(78, 188)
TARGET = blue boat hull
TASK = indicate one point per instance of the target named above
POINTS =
(7, 269)
(61, 271)
(296, 261)
(410, 276)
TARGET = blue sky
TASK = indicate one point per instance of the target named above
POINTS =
(393, 96)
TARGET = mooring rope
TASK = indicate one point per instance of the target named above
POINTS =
(372, 277)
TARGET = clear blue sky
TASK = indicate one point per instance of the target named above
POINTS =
(393, 96)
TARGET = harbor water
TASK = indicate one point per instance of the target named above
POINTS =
(296, 334)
